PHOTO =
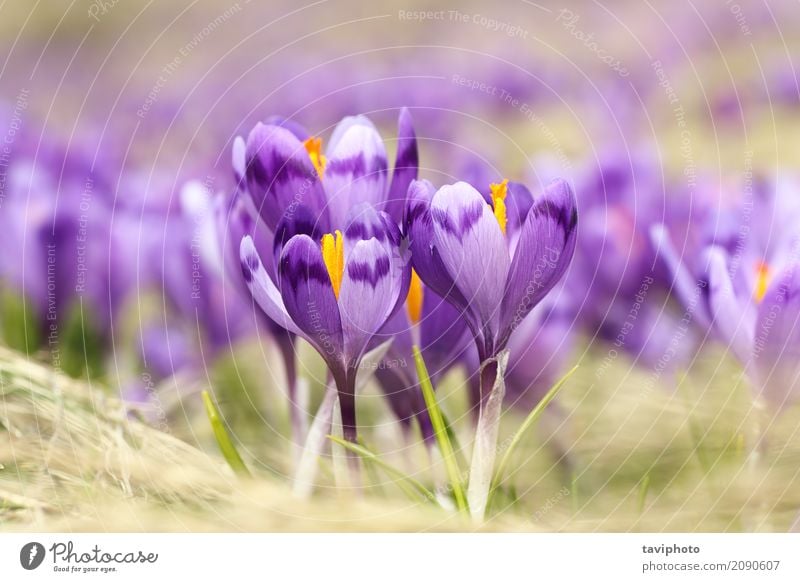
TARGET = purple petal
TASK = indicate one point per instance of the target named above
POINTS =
(443, 334)
(539, 350)
(280, 175)
(308, 295)
(776, 352)
(263, 290)
(472, 248)
(544, 251)
(356, 169)
(364, 222)
(683, 283)
(519, 201)
(239, 160)
(343, 127)
(296, 128)
(732, 316)
(418, 227)
(299, 221)
(367, 296)
(406, 166)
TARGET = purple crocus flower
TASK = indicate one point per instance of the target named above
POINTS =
(285, 169)
(336, 291)
(343, 203)
(493, 261)
(742, 283)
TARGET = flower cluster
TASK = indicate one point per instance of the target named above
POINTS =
(351, 248)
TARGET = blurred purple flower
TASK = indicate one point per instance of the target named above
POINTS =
(741, 280)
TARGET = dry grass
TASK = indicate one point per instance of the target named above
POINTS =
(72, 460)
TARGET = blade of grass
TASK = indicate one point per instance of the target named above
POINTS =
(451, 434)
(372, 474)
(644, 486)
(222, 437)
(527, 424)
(440, 431)
(409, 485)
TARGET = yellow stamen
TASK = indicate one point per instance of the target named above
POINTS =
(499, 192)
(314, 149)
(415, 297)
(762, 281)
(333, 256)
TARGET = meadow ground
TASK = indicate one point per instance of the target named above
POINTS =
(634, 456)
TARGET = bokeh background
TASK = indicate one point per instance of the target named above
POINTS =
(118, 119)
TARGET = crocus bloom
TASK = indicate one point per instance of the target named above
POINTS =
(336, 290)
(748, 285)
(337, 199)
(493, 260)
(285, 169)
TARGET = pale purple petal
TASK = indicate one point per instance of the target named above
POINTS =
(365, 222)
(472, 248)
(418, 227)
(343, 127)
(367, 295)
(776, 351)
(355, 171)
(544, 251)
(684, 284)
(239, 160)
(733, 317)
(263, 290)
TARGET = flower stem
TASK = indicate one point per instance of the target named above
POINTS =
(484, 452)
(315, 441)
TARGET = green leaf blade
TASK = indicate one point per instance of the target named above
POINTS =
(408, 484)
(440, 431)
(226, 446)
(530, 420)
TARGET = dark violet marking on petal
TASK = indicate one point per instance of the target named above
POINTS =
(284, 170)
(250, 264)
(356, 165)
(468, 216)
(566, 218)
(361, 230)
(365, 272)
(298, 270)
(247, 272)
(297, 221)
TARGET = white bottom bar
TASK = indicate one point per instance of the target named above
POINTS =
(402, 557)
